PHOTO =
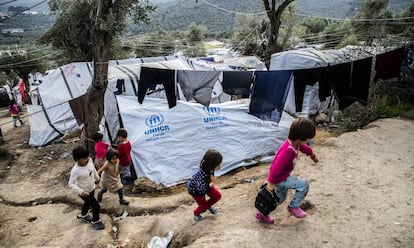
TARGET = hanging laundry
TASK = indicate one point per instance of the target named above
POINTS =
(388, 65)
(237, 82)
(339, 77)
(359, 85)
(120, 85)
(269, 92)
(198, 85)
(149, 76)
(80, 108)
(409, 56)
(304, 77)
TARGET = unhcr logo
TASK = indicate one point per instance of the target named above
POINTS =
(154, 120)
(212, 111)
(214, 115)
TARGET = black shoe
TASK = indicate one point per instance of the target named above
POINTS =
(99, 197)
(98, 225)
(124, 202)
(84, 218)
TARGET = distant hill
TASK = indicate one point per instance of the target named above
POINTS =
(343, 8)
(219, 15)
(41, 8)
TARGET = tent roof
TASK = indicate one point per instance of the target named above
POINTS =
(302, 59)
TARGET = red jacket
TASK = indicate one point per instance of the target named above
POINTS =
(124, 153)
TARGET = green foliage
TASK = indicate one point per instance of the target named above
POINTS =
(290, 28)
(404, 26)
(250, 33)
(33, 26)
(196, 50)
(193, 43)
(350, 40)
(315, 25)
(119, 51)
(21, 62)
(71, 33)
(386, 110)
(247, 36)
(332, 35)
(195, 33)
(74, 30)
(389, 99)
(180, 14)
(152, 45)
(372, 29)
(357, 116)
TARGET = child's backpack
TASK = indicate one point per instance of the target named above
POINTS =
(266, 201)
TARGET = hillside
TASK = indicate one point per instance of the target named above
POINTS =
(218, 16)
(35, 5)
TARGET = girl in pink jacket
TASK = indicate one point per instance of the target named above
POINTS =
(14, 111)
(280, 180)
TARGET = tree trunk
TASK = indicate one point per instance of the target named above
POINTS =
(102, 41)
(275, 15)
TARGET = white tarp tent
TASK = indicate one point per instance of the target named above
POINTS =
(55, 92)
(39, 130)
(168, 144)
(303, 59)
(71, 81)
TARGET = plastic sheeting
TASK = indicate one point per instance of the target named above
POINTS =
(40, 133)
(131, 86)
(168, 144)
(160, 242)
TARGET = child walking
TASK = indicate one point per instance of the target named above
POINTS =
(82, 181)
(14, 112)
(110, 177)
(202, 184)
(279, 178)
(100, 149)
(124, 153)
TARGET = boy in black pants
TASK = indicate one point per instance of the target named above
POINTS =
(82, 181)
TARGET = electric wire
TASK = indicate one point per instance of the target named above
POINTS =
(37, 4)
(8, 2)
(356, 19)
(25, 52)
(232, 11)
(30, 60)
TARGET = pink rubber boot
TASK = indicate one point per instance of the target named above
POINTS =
(297, 212)
(264, 218)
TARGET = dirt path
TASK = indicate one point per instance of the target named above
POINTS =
(361, 195)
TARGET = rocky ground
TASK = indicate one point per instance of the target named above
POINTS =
(361, 195)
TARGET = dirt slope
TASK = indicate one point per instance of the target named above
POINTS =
(361, 195)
